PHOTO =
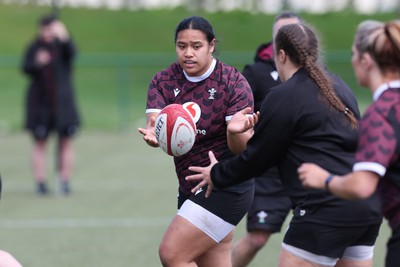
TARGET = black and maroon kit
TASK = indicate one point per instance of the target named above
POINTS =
(219, 96)
(379, 151)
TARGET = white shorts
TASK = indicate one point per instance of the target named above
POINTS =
(356, 253)
(209, 223)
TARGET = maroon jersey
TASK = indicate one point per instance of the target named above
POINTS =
(379, 148)
(217, 97)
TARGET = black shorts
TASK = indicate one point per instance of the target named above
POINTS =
(42, 132)
(393, 249)
(268, 212)
(271, 204)
(329, 241)
(227, 205)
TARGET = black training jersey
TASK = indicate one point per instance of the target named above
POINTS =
(379, 148)
(51, 93)
(262, 76)
(297, 125)
(213, 101)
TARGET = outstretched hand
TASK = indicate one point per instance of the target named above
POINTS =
(203, 174)
(149, 134)
(312, 176)
(242, 122)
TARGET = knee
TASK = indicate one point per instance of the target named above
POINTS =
(167, 256)
(258, 239)
(39, 147)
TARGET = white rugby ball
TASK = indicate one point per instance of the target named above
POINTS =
(175, 130)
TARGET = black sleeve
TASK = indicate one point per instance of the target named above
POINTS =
(29, 65)
(248, 74)
(251, 77)
(267, 146)
(67, 50)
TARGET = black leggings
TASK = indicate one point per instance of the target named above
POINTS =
(393, 249)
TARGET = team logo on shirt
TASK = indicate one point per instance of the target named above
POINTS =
(261, 216)
(193, 110)
(274, 74)
(199, 191)
(176, 91)
(212, 92)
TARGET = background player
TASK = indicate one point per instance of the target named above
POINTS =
(202, 231)
(271, 204)
(50, 103)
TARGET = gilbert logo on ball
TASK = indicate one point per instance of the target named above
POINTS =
(175, 130)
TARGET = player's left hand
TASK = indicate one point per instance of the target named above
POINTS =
(203, 174)
(241, 121)
(313, 176)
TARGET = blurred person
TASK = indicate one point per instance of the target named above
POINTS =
(201, 233)
(308, 117)
(375, 60)
(6, 259)
(50, 103)
(271, 204)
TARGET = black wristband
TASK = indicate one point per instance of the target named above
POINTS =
(327, 181)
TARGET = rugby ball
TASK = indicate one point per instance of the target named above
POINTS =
(175, 130)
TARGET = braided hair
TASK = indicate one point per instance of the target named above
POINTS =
(300, 43)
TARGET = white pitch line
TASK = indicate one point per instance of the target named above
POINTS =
(83, 223)
(78, 186)
(23, 187)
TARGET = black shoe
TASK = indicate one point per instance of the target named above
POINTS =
(41, 189)
(65, 188)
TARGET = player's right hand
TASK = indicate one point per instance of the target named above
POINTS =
(43, 57)
(203, 175)
(148, 133)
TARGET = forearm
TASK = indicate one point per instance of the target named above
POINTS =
(355, 185)
(234, 171)
(68, 49)
(221, 177)
(29, 65)
(237, 142)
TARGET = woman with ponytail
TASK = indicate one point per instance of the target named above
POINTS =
(312, 116)
(376, 64)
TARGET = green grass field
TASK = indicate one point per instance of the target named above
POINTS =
(124, 197)
(124, 192)
(116, 216)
